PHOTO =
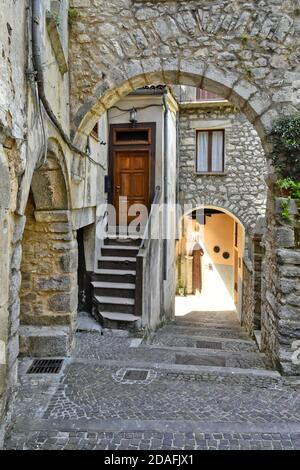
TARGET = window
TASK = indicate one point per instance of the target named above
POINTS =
(210, 151)
(131, 136)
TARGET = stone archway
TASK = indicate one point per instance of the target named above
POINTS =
(216, 232)
(243, 52)
(49, 265)
(246, 53)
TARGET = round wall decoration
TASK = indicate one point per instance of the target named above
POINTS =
(216, 249)
(226, 255)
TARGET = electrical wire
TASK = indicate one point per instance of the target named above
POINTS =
(137, 108)
(40, 112)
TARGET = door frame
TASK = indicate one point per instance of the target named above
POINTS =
(137, 146)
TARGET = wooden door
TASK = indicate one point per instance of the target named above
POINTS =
(130, 181)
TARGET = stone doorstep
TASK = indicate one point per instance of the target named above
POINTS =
(85, 322)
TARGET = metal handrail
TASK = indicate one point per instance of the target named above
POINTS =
(147, 230)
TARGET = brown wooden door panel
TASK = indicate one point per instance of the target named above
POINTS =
(138, 163)
(124, 163)
(131, 179)
(138, 185)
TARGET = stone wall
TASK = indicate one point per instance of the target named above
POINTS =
(23, 144)
(252, 279)
(246, 52)
(13, 159)
(241, 189)
(248, 296)
(49, 283)
(257, 256)
(281, 287)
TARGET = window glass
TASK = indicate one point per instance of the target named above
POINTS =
(217, 151)
(202, 160)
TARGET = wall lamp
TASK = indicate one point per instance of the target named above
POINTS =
(133, 116)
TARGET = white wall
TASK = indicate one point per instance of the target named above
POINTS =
(170, 283)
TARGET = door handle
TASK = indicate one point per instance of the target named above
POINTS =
(118, 188)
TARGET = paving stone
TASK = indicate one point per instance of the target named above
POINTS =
(86, 391)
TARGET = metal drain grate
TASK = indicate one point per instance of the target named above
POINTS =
(45, 366)
(208, 345)
(134, 374)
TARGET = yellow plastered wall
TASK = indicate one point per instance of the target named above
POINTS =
(219, 231)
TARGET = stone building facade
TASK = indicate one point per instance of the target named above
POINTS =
(241, 190)
(63, 65)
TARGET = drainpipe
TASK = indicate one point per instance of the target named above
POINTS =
(38, 69)
(165, 245)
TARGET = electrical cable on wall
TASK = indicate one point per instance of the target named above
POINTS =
(39, 77)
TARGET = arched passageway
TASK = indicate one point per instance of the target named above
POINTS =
(210, 262)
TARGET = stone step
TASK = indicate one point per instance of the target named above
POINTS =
(203, 342)
(113, 285)
(47, 341)
(115, 304)
(116, 262)
(114, 275)
(210, 357)
(204, 373)
(115, 300)
(207, 324)
(121, 247)
(115, 240)
(114, 289)
(194, 316)
(205, 331)
(201, 321)
(119, 251)
(118, 320)
(119, 316)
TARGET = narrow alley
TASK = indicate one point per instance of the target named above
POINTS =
(197, 383)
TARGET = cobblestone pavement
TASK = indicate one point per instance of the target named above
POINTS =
(206, 395)
(151, 440)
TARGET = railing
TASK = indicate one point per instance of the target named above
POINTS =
(147, 231)
(101, 224)
(144, 250)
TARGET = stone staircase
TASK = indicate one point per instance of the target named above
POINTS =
(210, 339)
(114, 283)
